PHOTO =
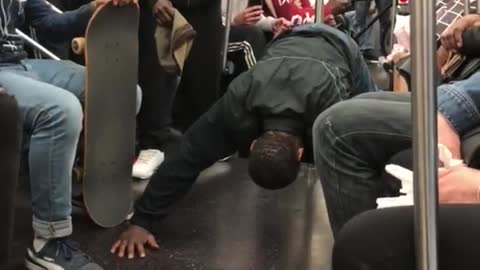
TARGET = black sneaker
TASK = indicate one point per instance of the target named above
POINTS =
(60, 253)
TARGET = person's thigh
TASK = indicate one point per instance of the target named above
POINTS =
(386, 96)
(33, 96)
(384, 239)
(63, 74)
(251, 34)
(353, 140)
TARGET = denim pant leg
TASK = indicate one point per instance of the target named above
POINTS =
(53, 119)
(365, 41)
(353, 140)
(66, 75)
(459, 103)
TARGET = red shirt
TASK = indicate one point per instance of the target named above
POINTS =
(297, 11)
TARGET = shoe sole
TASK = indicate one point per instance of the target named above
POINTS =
(33, 266)
(30, 264)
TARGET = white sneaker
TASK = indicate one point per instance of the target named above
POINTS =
(147, 163)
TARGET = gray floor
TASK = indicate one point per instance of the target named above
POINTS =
(226, 222)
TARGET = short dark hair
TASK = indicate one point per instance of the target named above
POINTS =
(273, 160)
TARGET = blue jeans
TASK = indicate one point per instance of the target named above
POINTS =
(354, 139)
(48, 94)
(361, 21)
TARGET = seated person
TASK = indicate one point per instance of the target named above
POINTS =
(48, 94)
(249, 24)
(353, 140)
(270, 109)
(302, 11)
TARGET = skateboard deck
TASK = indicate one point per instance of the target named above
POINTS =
(111, 58)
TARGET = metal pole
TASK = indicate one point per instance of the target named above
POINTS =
(424, 116)
(478, 6)
(36, 45)
(319, 11)
(466, 6)
(228, 22)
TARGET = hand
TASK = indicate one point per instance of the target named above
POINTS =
(98, 3)
(134, 239)
(280, 25)
(248, 16)
(452, 38)
(458, 185)
(338, 6)
(330, 20)
(163, 11)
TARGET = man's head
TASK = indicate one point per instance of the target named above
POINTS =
(275, 159)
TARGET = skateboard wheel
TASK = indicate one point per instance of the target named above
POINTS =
(78, 45)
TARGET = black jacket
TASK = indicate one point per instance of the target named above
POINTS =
(302, 74)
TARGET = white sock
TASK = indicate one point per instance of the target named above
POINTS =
(39, 243)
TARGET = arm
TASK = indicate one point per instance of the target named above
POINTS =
(58, 27)
(266, 23)
(207, 141)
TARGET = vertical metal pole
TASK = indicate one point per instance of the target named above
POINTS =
(466, 5)
(424, 116)
(478, 6)
(319, 11)
(228, 22)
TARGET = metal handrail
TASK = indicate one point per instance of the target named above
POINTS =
(319, 11)
(424, 116)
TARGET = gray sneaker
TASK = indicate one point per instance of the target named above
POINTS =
(61, 253)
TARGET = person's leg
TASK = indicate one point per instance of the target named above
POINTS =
(52, 117)
(251, 34)
(159, 89)
(385, 24)
(10, 137)
(360, 23)
(352, 141)
(64, 74)
(384, 239)
(199, 86)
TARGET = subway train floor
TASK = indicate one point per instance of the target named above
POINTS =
(225, 223)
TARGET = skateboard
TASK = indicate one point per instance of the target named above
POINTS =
(110, 48)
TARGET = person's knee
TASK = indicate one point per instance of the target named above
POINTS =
(65, 113)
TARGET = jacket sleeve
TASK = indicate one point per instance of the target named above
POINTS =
(206, 142)
(56, 26)
(471, 42)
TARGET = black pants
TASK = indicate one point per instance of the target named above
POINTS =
(251, 34)
(199, 86)
(158, 87)
(384, 240)
(10, 135)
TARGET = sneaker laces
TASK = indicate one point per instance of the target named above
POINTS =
(66, 247)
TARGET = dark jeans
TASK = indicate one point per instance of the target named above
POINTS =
(158, 87)
(10, 137)
(353, 140)
(384, 239)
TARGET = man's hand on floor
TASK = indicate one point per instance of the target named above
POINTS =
(133, 241)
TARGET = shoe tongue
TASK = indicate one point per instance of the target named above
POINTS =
(39, 243)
